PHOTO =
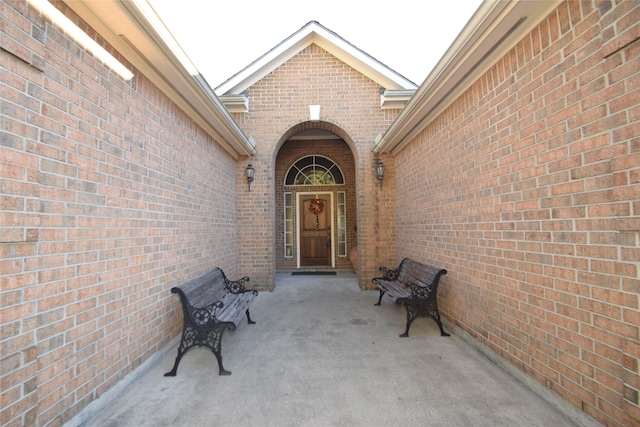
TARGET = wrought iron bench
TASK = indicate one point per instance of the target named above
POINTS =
(415, 286)
(211, 303)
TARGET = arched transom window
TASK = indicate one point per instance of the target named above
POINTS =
(314, 170)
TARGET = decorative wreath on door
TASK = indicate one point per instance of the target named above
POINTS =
(316, 206)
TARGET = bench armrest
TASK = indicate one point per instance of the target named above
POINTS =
(237, 286)
(388, 274)
(419, 292)
(206, 315)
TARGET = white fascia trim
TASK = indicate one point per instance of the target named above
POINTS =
(362, 62)
(203, 96)
(492, 31)
(261, 67)
(327, 40)
(136, 32)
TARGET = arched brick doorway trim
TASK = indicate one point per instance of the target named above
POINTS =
(297, 241)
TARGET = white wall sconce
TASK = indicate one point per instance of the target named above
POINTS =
(314, 113)
(250, 172)
(379, 172)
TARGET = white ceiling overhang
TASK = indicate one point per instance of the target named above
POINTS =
(136, 32)
(492, 31)
(314, 33)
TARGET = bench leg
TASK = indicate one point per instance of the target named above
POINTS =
(214, 342)
(380, 299)
(221, 370)
(251, 322)
(442, 332)
(414, 310)
(174, 370)
(188, 340)
(192, 337)
(412, 313)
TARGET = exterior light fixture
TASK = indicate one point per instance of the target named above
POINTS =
(380, 172)
(251, 172)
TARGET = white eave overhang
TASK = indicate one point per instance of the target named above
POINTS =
(492, 31)
(395, 99)
(389, 100)
(236, 103)
(136, 32)
(314, 33)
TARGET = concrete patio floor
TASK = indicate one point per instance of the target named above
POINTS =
(321, 354)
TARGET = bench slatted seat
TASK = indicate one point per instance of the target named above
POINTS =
(211, 303)
(414, 285)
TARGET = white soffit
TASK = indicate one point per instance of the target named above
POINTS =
(492, 31)
(135, 31)
(314, 33)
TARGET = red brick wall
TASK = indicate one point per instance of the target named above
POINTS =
(110, 196)
(278, 108)
(527, 190)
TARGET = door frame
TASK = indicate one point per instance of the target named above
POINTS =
(299, 196)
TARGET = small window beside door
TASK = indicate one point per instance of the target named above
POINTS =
(288, 225)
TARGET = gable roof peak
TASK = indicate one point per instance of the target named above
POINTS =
(314, 33)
